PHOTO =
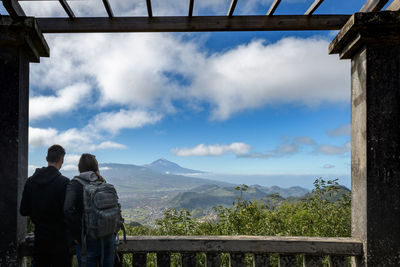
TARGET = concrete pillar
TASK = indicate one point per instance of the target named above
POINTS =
(21, 42)
(372, 42)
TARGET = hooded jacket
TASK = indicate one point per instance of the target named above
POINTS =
(73, 206)
(43, 200)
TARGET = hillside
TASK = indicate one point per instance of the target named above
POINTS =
(207, 196)
(129, 178)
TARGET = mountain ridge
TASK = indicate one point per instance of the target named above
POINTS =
(165, 166)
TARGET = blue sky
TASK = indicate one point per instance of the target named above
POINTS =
(238, 103)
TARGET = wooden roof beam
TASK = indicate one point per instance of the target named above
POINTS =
(191, 5)
(232, 8)
(149, 9)
(373, 5)
(394, 6)
(273, 7)
(67, 9)
(193, 24)
(13, 8)
(313, 7)
(108, 8)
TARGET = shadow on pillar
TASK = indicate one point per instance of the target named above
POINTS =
(372, 42)
(21, 42)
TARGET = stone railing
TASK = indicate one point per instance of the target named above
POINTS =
(257, 249)
(194, 251)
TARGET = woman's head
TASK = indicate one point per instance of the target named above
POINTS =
(88, 162)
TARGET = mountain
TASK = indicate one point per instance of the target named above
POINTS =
(207, 196)
(129, 178)
(168, 167)
(294, 191)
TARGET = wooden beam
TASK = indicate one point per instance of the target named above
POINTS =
(232, 8)
(108, 8)
(45, 0)
(13, 8)
(193, 24)
(373, 5)
(394, 6)
(149, 9)
(313, 7)
(273, 7)
(67, 9)
(191, 5)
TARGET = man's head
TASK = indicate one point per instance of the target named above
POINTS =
(55, 156)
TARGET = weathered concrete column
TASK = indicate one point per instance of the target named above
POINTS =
(21, 42)
(372, 42)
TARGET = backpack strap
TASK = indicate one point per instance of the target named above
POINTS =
(123, 231)
(83, 235)
(102, 252)
(83, 246)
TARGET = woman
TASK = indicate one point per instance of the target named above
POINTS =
(90, 252)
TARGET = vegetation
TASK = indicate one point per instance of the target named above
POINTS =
(324, 212)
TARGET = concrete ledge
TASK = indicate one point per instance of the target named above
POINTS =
(233, 244)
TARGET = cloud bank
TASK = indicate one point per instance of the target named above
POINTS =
(72, 139)
(289, 146)
(344, 130)
(150, 72)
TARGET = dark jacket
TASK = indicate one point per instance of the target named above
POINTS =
(73, 207)
(43, 200)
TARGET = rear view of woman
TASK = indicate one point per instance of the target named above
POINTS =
(86, 219)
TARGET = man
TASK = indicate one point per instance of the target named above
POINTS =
(43, 201)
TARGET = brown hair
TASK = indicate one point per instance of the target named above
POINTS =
(55, 153)
(88, 162)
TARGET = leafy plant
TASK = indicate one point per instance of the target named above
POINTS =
(325, 212)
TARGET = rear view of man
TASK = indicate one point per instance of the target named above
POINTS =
(43, 201)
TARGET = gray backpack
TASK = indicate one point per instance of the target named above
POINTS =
(101, 210)
(101, 214)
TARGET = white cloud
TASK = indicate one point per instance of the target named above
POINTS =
(138, 8)
(113, 122)
(69, 167)
(333, 150)
(152, 71)
(212, 150)
(293, 70)
(339, 131)
(110, 145)
(32, 168)
(71, 162)
(290, 146)
(40, 137)
(328, 166)
(65, 100)
(43, 9)
(71, 158)
(72, 140)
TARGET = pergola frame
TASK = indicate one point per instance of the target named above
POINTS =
(190, 23)
(370, 38)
